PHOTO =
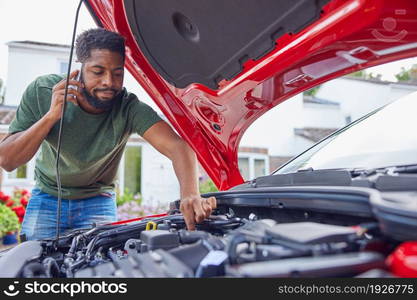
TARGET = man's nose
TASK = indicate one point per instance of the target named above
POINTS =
(107, 80)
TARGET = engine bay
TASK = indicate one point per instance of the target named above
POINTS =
(225, 245)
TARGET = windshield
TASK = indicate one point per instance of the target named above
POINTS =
(385, 137)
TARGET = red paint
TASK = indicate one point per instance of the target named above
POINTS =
(403, 261)
(351, 35)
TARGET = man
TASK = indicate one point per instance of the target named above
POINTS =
(99, 118)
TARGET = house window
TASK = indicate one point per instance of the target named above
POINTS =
(19, 173)
(63, 67)
(244, 167)
(259, 167)
(132, 169)
(252, 165)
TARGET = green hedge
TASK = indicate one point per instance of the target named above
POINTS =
(8, 220)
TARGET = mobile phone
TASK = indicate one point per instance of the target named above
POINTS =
(77, 78)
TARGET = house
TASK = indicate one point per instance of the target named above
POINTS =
(358, 96)
(300, 122)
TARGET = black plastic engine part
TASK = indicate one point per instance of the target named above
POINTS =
(158, 239)
(100, 270)
(397, 215)
(189, 237)
(160, 263)
(348, 264)
(13, 261)
(183, 43)
(270, 252)
(137, 265)
(309, 233)
(132, 245)
(191, 255)
(212, 265)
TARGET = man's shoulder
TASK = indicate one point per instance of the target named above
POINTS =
(48, 80)
(132, 101)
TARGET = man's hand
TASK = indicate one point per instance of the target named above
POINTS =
(195, 209)
(58, 93)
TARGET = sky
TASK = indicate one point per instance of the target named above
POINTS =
(41, 20)
(52, 21)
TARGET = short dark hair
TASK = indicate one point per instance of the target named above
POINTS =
(98, 38)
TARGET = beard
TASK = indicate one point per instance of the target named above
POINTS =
(103, 104)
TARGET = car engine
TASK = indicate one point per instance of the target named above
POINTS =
(224, 245)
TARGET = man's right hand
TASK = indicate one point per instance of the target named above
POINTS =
(58, 93)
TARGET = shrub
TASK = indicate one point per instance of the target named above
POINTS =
(127, 196)
(17, 202)
(207, 187)
(9, 221)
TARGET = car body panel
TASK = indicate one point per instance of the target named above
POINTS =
(349, 36)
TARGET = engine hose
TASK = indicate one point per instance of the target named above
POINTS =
(51, 267)
(33, 270)
(74, 266)
(232, 247)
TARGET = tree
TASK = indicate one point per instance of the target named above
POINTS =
(208, 186)
(365, 75)
(313, 91)
(358, 74)
(407, 74)
(404, 75)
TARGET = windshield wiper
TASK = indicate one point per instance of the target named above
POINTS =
(374, 177)
(331, 177)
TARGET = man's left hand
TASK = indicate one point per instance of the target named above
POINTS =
(195, 209)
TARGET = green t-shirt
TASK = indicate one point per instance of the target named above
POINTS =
(92, 144)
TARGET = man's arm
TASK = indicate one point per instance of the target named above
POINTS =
(18, 148)
(194, 208)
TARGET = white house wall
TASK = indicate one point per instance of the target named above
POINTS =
(358, 97)
(275, 129)
(27, 64)
(322, 116)
(159, 183)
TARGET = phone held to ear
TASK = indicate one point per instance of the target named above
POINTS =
(77, 78)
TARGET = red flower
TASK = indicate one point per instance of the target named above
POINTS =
(9, 202)
(24, 192)
(24, 201)
(19, 210)
(4, 197)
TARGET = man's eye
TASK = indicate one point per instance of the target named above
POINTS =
(97, 73)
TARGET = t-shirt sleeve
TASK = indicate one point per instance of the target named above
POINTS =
(143, 117)
(27, 112)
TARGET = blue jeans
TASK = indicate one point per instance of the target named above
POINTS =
(41, 213)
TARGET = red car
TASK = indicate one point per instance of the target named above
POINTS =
(215, 67)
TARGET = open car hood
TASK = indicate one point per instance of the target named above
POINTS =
(214, 68)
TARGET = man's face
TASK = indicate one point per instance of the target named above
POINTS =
(103, 74)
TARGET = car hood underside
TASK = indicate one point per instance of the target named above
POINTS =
(213, 69)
